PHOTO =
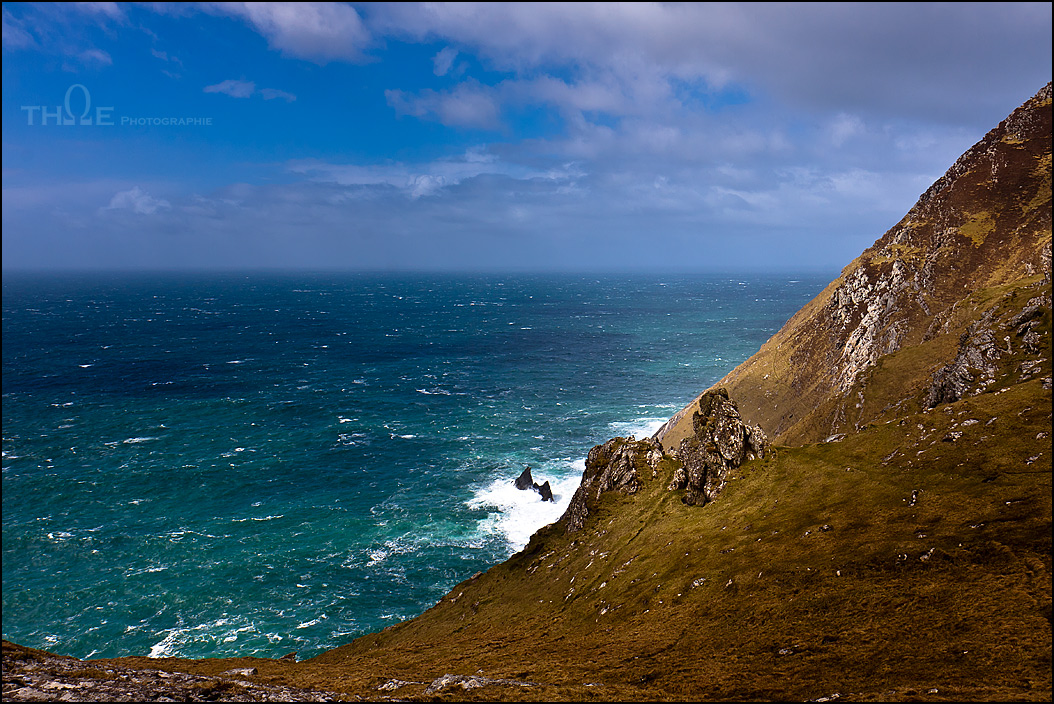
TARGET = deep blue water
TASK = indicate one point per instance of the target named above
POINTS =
(219, 465)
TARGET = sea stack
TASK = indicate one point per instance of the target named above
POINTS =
(525, 481)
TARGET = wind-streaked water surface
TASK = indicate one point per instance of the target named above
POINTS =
(254, 464)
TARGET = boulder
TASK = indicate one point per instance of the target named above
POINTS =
(719, 444)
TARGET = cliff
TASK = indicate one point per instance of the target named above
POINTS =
(984, 224)
(862, 510)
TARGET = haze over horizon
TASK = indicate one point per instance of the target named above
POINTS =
(557, 137)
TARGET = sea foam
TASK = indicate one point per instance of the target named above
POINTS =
(516, 514)
(639, 428)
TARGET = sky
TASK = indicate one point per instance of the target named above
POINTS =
(491, 137)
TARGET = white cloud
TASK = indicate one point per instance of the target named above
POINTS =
(470, 105)
(95, 56)
(235, 89)
(427, 178)
(111, 10)
(273, 93)
(15, 34)
(62, 29)
(164, 56)
(247, 89)
(137, 201)
(443, 60)
(318, 31)
(943, 61)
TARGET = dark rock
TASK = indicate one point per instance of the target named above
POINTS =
(1033, 309)
(546, 491)
(525, 481)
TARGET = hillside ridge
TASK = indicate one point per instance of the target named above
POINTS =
(986, 222)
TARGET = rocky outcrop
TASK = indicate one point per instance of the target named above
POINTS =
(470, 682)
(525, 481)
(721, 441)
(33, 675)
(984, 346)
(719, 444)
(973, 368)
(545, 490)
(613, 466)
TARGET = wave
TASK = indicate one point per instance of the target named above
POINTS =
(145, 570)
(517, 514)
(222, 630)
(135, 441)
(639, 428)
(312, 622)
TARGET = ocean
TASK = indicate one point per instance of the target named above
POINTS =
(216, 465)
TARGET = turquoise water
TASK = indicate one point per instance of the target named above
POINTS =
(257, 464)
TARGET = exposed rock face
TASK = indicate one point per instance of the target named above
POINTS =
(976, 365)
(986, 222)
(973, 367)
(719, 444)
(612, 466)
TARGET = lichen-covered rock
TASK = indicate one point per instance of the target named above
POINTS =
(468, 682)
(613, 466)
(980, 353)
(720, 443)
(35, 675)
